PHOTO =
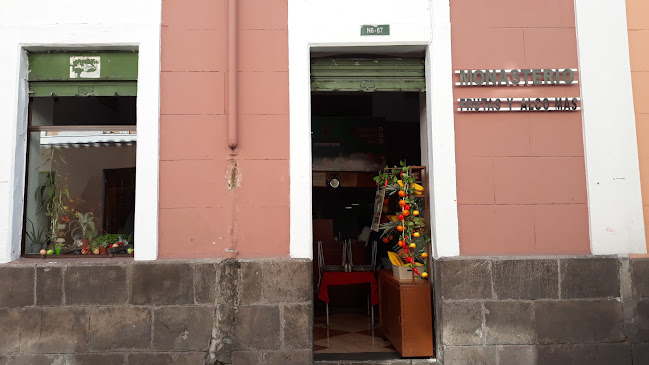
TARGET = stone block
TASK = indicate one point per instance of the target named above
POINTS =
(205, 280)
(97, 284)
(119, 329)
(150, 358)
(162, 283)
(182, 328)
(469, 355)
(297, 325)
(299, 357)
(250, 276)
(526, 279)
(584, 278)
(510, 323)
(17, 286)
(642, 320)
(96, 359)
(34, 360)
(464, 279)
(640, 353)
(584, 321)
(640, 277)
(54, 330)
(10, 319)
(554, 354)
(287, 281)
(602, 354)
(257, 328)
(246, 357)
(517, 355)
(188, 358)
(49, 285)
(461, 323)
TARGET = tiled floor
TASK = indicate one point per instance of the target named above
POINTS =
(348, 332)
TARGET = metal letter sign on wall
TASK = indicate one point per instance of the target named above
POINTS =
(522, 77)
(383, 29)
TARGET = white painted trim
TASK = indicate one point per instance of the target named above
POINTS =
(85, 29)
(305, 35)
(301, 218)
(610, 144)
(441, 134)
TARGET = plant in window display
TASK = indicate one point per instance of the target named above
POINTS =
(38, 238)
(116, 243)
(84, 228)
(52, 197)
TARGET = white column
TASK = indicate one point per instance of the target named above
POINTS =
(441, 134)
(611, 152)
(299, 63)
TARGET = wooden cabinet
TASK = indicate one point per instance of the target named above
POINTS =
(405, 314)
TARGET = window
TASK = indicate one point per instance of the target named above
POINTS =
(80, 191)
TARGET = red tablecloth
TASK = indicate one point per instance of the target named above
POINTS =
(347, 278)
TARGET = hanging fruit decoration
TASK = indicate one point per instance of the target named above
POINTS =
(409, 225)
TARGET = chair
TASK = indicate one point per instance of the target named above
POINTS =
(370, 267)
(322, 267)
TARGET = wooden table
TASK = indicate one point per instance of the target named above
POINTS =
(406, 314)
(348, 278)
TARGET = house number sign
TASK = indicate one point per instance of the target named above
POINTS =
(517, 78)
(383, 29)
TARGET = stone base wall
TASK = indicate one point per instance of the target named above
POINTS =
(165, 312)
(556, 311)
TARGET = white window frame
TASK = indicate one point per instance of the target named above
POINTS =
(13, 112)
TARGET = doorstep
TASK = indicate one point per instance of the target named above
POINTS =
(378, 362)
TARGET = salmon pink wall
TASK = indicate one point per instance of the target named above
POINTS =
(200, 216)
(638, 23)
(521, 181)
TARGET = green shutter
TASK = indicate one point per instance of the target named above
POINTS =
(368, 74)
(83, 73)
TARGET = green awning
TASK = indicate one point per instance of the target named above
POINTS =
(368, 74)
(111, 73)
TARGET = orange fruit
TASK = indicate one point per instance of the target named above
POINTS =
(402, 203)
(413, 245)
(424, 275)
(416, 234)
(406, 213)
(400, 228)
(391, 237)
(424, 255)
(402, 193)
(415, 213)
(402, 244)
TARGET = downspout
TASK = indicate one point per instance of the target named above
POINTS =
(232, 173)
(233, 135)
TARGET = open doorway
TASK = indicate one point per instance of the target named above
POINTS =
(356, 133)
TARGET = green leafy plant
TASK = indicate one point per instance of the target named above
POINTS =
(51, 195)
(36, 237)
(108, 239)
(85, 225)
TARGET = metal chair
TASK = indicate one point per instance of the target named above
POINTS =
(322, 267)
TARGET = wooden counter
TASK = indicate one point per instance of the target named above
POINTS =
(405, 314)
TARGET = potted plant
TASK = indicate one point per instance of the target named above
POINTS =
(409, 227)
(38, 238)
(85, 227)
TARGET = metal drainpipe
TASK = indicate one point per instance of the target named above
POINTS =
(233, 135)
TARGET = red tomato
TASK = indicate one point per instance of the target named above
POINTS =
(401, 217)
